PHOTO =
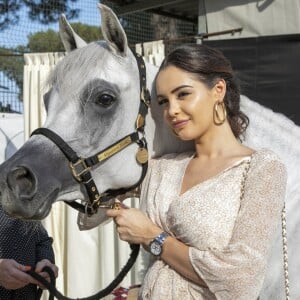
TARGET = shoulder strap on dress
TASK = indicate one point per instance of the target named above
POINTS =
(284, 233)
(285, 254)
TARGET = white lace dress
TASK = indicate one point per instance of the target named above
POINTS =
(229, 239)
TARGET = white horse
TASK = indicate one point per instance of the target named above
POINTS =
(93, 103)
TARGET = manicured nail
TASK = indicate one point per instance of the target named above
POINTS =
(27, 268)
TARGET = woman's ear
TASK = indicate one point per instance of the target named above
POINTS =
(220, 89)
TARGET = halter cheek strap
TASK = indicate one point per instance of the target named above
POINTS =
(81, 167)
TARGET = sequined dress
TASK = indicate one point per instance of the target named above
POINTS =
(229, 239)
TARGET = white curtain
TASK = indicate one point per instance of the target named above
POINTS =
(153, 52)
(36, 70)
(88, 260)
(11, 134)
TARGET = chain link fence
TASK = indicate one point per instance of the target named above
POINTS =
(21, 23)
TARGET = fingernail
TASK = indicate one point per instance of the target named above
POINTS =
(27, 268)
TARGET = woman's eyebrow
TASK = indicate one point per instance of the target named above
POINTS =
(176, 89)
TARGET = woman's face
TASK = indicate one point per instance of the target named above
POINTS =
(187, 103)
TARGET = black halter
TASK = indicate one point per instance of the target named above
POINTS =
(81, 166)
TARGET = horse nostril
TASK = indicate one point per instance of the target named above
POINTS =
(22, 182)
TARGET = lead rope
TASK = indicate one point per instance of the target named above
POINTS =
(284, 235)
(53, 292)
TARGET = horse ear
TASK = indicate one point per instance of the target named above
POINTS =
(112, 30)
(68, 36)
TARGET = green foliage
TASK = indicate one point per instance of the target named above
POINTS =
(87, 32)
(12, 62)
(49, 41)
(44, 11)
(44, 41)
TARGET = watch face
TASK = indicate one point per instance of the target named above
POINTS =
(155, 248)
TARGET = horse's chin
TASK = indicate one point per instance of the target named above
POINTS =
(70, 196)
(42, 212)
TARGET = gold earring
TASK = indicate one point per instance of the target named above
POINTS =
(218, 120)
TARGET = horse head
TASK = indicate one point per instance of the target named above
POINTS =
(93, 102)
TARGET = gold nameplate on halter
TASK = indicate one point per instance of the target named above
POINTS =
(115, 149)
(142, 155)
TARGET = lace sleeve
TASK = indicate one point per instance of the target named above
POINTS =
(238, 270)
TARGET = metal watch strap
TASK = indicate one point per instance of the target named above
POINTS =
(161, 237)
(156, 244)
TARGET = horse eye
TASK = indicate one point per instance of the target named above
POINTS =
(106, 100)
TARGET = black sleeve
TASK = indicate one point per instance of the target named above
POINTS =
(44, 248)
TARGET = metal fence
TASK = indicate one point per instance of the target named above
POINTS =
(22, 24)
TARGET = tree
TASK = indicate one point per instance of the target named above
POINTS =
(11, 64)
(43, 11)
(11, 61)
(49, 41)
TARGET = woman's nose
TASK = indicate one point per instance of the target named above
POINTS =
(173, 108)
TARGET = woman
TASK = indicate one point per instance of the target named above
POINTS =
(23, 244)
(210, 216)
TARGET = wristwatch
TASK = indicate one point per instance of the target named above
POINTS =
(156, 244)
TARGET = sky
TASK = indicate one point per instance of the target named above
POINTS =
(18, 34)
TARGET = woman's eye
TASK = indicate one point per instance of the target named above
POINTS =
(183, 94)
(106, 100)
(162, 101)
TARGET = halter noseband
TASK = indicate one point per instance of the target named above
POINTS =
(81, 167)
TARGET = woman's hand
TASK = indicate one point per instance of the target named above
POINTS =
(134, 226)
(39, 267)
(12, 274)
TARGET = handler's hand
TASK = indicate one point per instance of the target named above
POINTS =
(39, 267)
(134, 226)
(12, 274)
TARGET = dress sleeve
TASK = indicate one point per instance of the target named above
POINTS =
(44, 248)
(238, 270)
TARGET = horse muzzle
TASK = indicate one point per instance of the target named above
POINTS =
(20, 196)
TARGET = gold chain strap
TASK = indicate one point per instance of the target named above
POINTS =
(284, 234)
(285, 254)
(246, 169)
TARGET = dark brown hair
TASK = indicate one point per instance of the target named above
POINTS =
(210, 65)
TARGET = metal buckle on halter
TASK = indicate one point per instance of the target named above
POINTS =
(89, 209)
(78, 168)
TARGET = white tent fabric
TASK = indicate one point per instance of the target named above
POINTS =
(88, 260)
(257, 18)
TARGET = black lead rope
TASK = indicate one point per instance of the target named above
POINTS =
(106, 291)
